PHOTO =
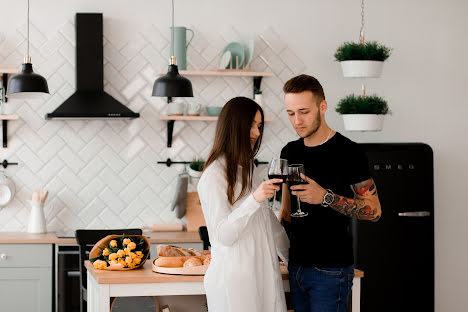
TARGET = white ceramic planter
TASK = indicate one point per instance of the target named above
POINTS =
(361, 69)
(193, 173)
(363, 122)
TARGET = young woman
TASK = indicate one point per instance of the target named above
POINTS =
(246, 237)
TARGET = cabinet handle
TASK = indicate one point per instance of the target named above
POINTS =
(3, 256)
(414, 214)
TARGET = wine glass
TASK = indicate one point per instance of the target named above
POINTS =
(294, 178)
(278, 169)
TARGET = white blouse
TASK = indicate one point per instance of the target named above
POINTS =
(246, 238)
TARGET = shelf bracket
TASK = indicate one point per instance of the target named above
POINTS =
(5, 85)
(170, 130)
(170, 127)
(4, 133)
(257, 81)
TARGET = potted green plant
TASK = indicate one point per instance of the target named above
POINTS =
(196, 167)
(363, 113)
(362, 59)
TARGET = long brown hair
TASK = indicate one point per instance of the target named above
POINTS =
(232, 140)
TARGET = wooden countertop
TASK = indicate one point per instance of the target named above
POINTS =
(51, 238)
(146, 275)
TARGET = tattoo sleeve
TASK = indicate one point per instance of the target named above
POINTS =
(365, 206)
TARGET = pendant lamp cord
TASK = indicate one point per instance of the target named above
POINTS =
(361, 32)
(172, 30)
(28, 29)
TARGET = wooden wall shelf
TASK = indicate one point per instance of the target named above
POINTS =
(172, 119)
(257, 80)
(223, 72)
(197, 118)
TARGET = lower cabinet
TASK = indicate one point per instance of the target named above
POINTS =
(26, 277)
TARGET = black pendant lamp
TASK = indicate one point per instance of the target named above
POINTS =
(172, 84)
(27, 82)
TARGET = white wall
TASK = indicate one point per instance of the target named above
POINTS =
(424, 82)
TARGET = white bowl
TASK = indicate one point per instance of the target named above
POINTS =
(7, 190)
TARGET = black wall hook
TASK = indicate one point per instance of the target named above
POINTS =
(169, 162)
(5, 163)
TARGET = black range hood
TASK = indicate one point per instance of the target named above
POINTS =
(90, 101)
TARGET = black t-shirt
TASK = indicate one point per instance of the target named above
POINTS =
(323, 237)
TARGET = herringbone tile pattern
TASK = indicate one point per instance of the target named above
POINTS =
(103, 173)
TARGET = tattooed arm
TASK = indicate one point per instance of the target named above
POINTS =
(366, 205)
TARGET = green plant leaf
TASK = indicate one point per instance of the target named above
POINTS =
(197, 164)
(353, 104)
(369, 51)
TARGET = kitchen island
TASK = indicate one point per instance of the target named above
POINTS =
(103, 285)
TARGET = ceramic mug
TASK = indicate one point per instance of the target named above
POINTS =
(193, 109)
(175, 109)
(180, 45)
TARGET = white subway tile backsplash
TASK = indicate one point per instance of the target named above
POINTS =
(111, 159)
(132, 68)
(111, 199)
(91, 210)
(72, 180)
(133, 87)
(113, 76)
(91, 190)
(103, 173)
(71, 159)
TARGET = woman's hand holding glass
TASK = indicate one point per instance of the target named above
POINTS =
(266, 190)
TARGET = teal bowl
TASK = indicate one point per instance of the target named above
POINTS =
(236, 49)
(214, 110)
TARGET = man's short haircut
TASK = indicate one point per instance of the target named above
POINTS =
(303, 83)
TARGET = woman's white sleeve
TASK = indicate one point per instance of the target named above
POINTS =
(226, 225)
(280, 237)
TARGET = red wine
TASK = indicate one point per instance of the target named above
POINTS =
(291, 183)
(278, 176)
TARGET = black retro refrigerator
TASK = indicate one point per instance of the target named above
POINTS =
(397, 252)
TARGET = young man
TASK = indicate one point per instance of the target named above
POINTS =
(339, 187)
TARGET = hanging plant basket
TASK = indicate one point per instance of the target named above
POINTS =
(363, 113)
(363, 122)
(362, 60)
(361, 69)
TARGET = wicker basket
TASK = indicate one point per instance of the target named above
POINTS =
(104, 243)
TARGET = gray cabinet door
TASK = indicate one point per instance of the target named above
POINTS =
(26, 289)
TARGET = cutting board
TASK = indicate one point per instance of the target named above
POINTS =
(194, 270)
(194, 213)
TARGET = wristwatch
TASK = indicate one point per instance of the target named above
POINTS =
(328, 198)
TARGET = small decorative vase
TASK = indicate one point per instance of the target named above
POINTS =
(259, 99)
(37, 223)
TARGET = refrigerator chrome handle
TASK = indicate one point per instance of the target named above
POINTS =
(414, 214)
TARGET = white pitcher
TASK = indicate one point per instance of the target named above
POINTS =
(37, 222)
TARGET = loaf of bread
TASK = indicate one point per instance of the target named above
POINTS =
(178, 262)
(174, 251)
(192, 261)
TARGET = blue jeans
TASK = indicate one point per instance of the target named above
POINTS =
(320, 289)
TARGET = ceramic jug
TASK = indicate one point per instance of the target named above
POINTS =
(180, 45)
(37, 222)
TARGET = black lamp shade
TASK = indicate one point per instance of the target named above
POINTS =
(27, 81)
(172, 84)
